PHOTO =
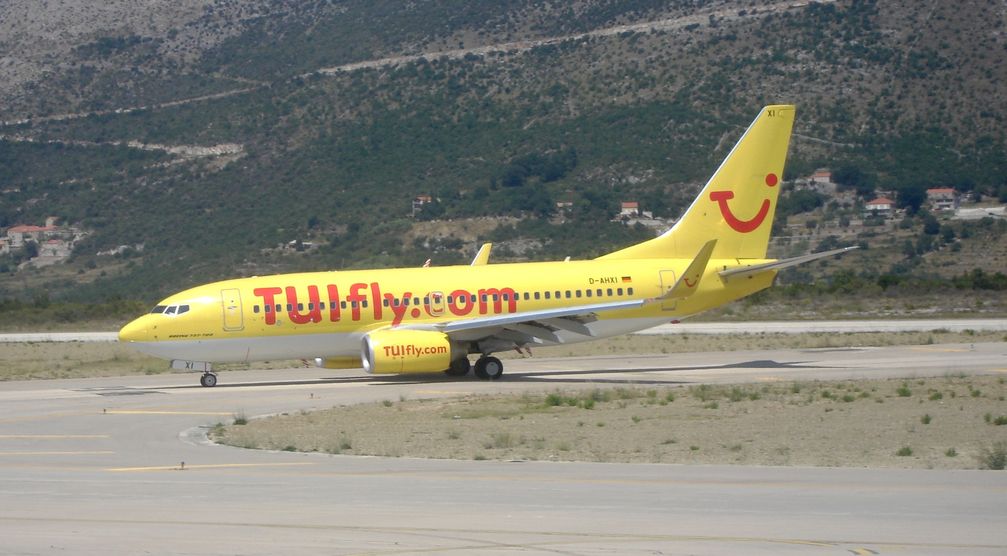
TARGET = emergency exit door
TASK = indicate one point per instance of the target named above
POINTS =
(668, 282)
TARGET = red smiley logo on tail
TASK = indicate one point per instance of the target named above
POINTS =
(737, 224)
(689, 284)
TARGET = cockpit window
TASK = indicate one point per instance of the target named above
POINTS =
(171, 310)
(158, 310)
(183, 309)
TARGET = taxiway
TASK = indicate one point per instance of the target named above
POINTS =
(95, 466)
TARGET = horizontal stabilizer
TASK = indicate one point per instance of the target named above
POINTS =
(743, 271)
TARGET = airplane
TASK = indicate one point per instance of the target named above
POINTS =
(431, 319)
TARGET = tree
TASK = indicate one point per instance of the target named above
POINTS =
(930, 225)
(849, 176)
(911, 197)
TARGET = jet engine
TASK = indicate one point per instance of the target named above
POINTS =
(406, 351)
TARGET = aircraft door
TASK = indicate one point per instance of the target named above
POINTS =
(436, 307)
(668, 282)
(230, 301)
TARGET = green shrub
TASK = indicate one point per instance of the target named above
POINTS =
(993, 457)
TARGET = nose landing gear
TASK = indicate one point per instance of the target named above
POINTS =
(208, 380)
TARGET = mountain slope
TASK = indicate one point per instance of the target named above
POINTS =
(321, 121)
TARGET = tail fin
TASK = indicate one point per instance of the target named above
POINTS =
(737, 205)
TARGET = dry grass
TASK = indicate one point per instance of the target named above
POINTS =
(693, 343)
(848, 423)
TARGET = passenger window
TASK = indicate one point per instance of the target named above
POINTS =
(536, 296)
(300, 307)
(568, 294)
(558, 295)
(363, 304)
(450, 300)
(290, 307)
(610, 292)
(629, 291)
(496, 297)
(416, 301)
(255, 309)
(385, 302)
(279, 307)
(342, 304)
(473, 298)
(426, 301)
(588, 292)
(599, 292)
(526, 296)
(268, 308)
(484, 298)
(547, 295)
(158, 310)
(577, 293)
(619, 291)
(353, 304)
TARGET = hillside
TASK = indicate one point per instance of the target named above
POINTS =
(212, 132)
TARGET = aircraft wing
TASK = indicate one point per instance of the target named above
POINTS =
(533, 327)
(530, 327)
(744, 271)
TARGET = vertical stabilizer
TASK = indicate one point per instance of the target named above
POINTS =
(737, 205)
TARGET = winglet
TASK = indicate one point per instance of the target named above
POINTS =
(688, 283)
(483, 256)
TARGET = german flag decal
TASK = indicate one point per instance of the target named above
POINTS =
(626, 279)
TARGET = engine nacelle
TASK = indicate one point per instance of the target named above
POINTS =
(406, 351)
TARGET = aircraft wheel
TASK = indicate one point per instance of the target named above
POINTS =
(459, 367)
(489, 368)
(208, 380)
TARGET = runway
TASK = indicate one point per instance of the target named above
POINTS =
(95, 466)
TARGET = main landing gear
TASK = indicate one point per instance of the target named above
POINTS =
(486, 367)
(489, 368)
(208, 379)
(459, 367)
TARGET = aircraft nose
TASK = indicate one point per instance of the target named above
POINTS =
(135, 331)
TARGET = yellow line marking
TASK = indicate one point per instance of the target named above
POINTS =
(160, 412)
(51, 436)
(863, 552)
(91, 453)
(207, 466)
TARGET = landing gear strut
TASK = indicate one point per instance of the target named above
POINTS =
(459, 367)
(489, 368)
(208, 379)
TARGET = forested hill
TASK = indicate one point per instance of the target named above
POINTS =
(210, 132)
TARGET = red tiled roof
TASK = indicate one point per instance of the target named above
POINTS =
(940, 191)
(630, 204)
(881, 201)
(22, 228)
